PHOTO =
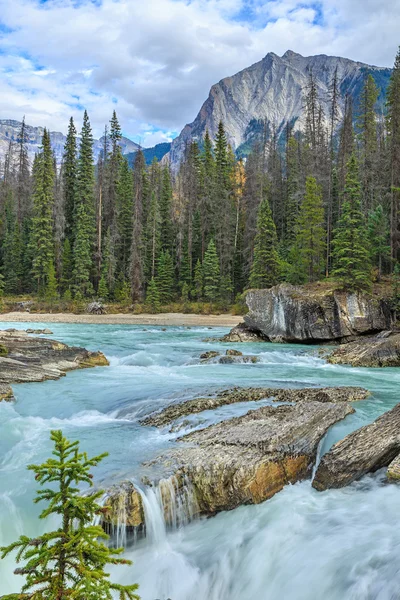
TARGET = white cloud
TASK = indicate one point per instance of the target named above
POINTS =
(155, 60)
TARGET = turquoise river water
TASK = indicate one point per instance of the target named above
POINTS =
(300, 545)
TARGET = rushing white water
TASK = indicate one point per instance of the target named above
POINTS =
(300, 545)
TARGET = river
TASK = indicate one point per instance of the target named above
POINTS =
(300, 545)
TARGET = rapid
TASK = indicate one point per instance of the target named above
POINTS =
(300, 545)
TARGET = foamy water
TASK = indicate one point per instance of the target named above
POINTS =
(300, 545)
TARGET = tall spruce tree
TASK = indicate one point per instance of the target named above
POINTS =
(71, 561)
(211, 273)
(165, 277)
(265, 270)
(309, 248)
(70, 173)
(351, 257)
(84, 217)
(42, 222)
(393, 130)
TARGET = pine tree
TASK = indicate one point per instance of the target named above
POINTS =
(309, 246)
(266, 268)
(378, 237)
(351, 258)
(138, 245)
(70, 172)
(42, 222)
(211, 273)
(165, 277)
(84, 224)
(393, 130)
(125, 210)
(153, 296)
(367, 125)
(198, 280)
(166, 210)
(52, 286)
(67, 266)
(71, 561)
(153, 236)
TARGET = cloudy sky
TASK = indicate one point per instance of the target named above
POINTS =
(155, 60)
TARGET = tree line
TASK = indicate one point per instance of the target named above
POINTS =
(322, 202)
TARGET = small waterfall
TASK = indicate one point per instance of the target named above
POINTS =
(170, 505)
(318, 457)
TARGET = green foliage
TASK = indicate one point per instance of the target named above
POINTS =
(198, 280)
(82, 254)
(42, 222)
(396, 291)
(153, 297)
(165, 277)
(52, 286)
(309, 248)
(211, 273)
(378, 238)
(71, 561)
(69, 173)
(265, 269)
(351, 254)
(125, 208)
(66, 266)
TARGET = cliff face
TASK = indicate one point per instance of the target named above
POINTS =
(296, 314)
(273, 90)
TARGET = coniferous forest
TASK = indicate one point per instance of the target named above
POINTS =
(302, 207)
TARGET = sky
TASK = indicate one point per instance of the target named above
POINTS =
(154, 61)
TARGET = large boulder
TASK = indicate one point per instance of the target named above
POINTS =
(382, 350)
(312, 314)
(363, 451)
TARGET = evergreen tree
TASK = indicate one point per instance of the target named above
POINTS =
(165, 277)
(70, 172)
(367, 125)
(84, 223)
(166, 210)
(42, 222)
(153, 296)
(71, 561)
(125, 210)
(351, 257)
(378, 237)
(393, 130)
(211, 273)
(309, 246)
(198, 280)
(153, 236)
(265, 269)
(138, 243)
(52, 286)
(67, 266)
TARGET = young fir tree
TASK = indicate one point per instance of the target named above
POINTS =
(42, 222)
(52, 286)
(84, 214)
(265, 269)
(378, 237)
(165, 277)
(351, 257)
(153, 296)
(309, 247)
(70, 562)
(211, 273)
(69, 173)
(198, 280)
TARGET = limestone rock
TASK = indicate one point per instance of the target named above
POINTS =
(232, 396)
(39, 331)
(393, 472)
(96, 308)
(124, 503)
(209, 355)
(242, 333)
(30, 359)
(378, 351)
(6, 393)
(233, 353)
(363, 451)
(312, 314)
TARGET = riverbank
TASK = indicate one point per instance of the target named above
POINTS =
(175, 319)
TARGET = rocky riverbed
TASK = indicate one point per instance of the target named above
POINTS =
(24, 359)
(244, 460)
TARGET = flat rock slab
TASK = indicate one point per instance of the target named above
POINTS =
(175, 411)
(363, 451)
(378, 351)
(25, 359)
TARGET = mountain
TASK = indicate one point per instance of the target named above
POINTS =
(158, 152)
(9, 131)
(272, 90)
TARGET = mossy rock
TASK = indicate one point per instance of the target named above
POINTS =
(3, 350)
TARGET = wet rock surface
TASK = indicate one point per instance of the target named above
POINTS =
(26, 359)
(382, 350)
(244, 460)
(242, 333)
(175, 411)
(364, 451)
(312, 314)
